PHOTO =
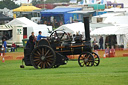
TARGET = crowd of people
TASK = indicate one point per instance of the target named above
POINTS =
(109, 51)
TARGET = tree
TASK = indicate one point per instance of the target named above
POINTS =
(8, 4)
(35, 2)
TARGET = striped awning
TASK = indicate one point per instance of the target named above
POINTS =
(6, 27)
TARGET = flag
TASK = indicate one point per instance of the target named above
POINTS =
(93, 1)
(103, 2)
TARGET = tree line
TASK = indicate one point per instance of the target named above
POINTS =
(35, 2)
(8, 4)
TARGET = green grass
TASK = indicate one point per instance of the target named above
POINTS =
(20, 49)
(111, 71)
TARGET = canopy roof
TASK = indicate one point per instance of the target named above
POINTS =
(110, 30)
(73, 28)
(82, 12)
(115, 10)
(26, 8)
(3, 17)
(21, 21)
(60, 10)
(109, 15)
(117, 20)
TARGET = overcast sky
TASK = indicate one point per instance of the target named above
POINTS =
(26, 1)
(22, 1)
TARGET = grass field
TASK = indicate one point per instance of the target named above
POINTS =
(111, 71)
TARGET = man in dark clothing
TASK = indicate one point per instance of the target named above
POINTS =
(101, 42)
(32, 41)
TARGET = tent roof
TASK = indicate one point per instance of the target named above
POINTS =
(99, 25)
(60, 10)
(73, 28)
(21, 21)
(110, 30)
(109, 15)
(3, 17)
(82, 12)
(25, 8)
(122, 30)
(115, 10)
(117, 20)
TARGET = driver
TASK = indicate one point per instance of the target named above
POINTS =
(40, 36)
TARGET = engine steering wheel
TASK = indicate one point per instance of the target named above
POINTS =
(59, 35)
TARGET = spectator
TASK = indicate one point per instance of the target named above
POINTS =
(40, 36)
(96, 47)
(32, 40)
(112, 52)
(5, 45)
(101, 42)
(107, 52)
(13, 47)
(4, 37)
(122, 45)
(94, 41)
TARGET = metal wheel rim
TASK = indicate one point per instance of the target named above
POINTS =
(97, 59)
(43, 57)
(86, 59)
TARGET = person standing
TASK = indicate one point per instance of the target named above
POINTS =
(96, 47)
(5, 45)
(40, 36)
(32, 41)
(94, 41)
(101, 42)
(4, 38)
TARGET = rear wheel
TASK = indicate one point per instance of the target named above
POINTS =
(43, 57)
(86, 59)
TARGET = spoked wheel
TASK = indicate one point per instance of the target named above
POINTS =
(86, 59)
(97, 59)
(43, 57)
(59, 35)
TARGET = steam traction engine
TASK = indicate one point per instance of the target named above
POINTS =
(53, 52)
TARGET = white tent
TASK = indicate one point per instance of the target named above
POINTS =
(30, 25)
(21, 21)
(103, 17)
(110, 30)
(117, 20)
(119, 10)
(73, 28)
(121, 33)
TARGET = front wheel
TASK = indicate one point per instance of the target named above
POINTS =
(97, 59)
(86, 59)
